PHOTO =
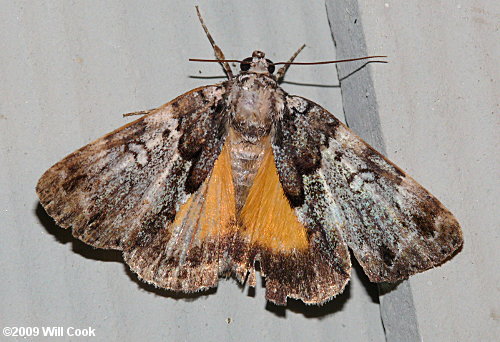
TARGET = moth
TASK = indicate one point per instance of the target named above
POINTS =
(237, 175)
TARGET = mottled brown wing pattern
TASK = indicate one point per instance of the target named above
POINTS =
(189, 255)
(123, 190)
(339, 184)
(297, 262)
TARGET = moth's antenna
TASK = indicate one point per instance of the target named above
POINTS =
(291, 59)
(217, 51)
(281, 72)
(215, 60)
(329, 62)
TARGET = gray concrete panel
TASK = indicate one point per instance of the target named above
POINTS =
(69, 70)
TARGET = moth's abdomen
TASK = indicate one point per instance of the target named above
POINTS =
(245, 161)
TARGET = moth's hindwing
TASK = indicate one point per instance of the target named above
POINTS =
(297, 261)
(123, 190)
(341, 185)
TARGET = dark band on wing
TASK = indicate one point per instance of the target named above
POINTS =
(299, 135)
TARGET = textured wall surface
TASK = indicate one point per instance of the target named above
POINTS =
(70, 69)
(438, 101)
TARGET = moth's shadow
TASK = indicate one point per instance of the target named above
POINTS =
(311, 311)
(334, 305)
(283, 82)
(64, 236)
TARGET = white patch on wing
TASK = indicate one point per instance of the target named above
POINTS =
(142, 153)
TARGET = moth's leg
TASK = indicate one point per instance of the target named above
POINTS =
(281, 72)
(141, 112)
(217, 51)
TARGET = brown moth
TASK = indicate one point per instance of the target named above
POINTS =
(241, 172)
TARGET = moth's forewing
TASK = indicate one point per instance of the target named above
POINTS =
(394, 226)
(121, 190)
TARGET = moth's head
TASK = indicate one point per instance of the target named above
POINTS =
(257, 64)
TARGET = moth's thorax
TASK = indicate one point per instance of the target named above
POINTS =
(255, 100)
